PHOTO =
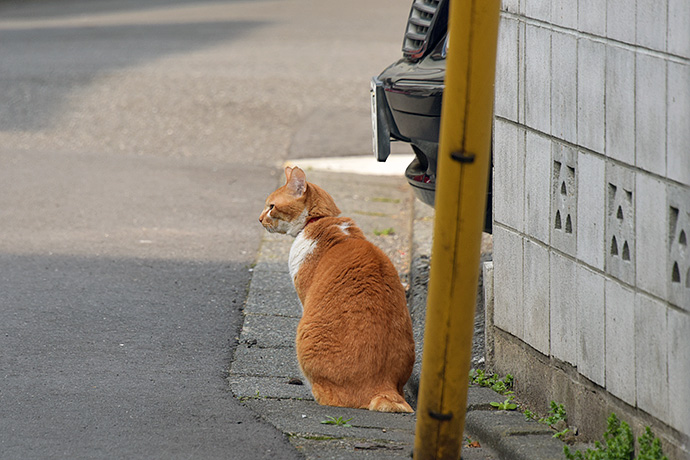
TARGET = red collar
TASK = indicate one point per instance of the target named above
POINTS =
(313, 219)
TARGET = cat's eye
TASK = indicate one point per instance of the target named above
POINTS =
(271, 206)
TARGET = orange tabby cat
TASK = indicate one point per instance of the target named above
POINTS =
(354, 341)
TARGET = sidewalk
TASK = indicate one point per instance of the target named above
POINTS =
(265, 374)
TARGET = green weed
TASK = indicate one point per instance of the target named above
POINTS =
(508, 404)
(503, 386)
(618, 444)
(385, 232)
(336, 421)
(556, 414)
(256, 396)
(650, 447)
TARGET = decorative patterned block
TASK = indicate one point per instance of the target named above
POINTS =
(620, 223)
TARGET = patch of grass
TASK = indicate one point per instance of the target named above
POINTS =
(503, 386)
(556, 414)
(618, 444)
(336, 421)
(556, 419)
(529, 415)
(561, 434)
(385, 232)
(650, 447)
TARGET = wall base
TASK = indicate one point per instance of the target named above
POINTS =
(540, 379)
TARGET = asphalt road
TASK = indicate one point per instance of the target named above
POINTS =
(137, 143)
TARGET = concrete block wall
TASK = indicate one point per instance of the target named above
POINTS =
(592, 196)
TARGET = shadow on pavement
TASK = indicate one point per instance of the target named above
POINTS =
(120, 358)
(74, 56)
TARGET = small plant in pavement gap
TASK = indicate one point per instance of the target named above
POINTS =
(529, 415)
(503, 386)
(561, 434)
(508, 404)
(339, 421)
(556, 419)
(385, 232)
(556, 414)
(618, 444)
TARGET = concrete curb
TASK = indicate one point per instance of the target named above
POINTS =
(265, 376)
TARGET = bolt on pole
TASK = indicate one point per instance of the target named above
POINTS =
(462, 176)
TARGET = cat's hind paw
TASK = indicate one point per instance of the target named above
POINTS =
(386, 402)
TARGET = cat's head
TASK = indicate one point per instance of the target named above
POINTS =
(292, 206)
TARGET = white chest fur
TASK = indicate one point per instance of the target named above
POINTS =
(301, 248)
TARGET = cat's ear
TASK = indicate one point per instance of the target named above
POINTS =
(296, 181)
(288, 171)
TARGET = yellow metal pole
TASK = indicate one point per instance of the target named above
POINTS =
(463, 168)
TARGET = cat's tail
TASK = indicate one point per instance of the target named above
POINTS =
(389, 402)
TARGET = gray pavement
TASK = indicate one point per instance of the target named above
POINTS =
(265, 375)
(137, 140)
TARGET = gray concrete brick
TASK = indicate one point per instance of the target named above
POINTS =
(537, 186)
(564, 196)
(266, 362)
(521, 70)
(651, 356)
(651, 230)
(591, 358)
(365, 424)
(679, 369)
(591, 209)
(274, 387)
(508, 281)
(509, 161)
(536, 297)
(620, 223)
(591, 16)
(538, 9)
(269, 331)
(591, 78)
(275, 249)
(620, 20)
(563, 309)
(274, 295)
(480, 398)
(650, 114)
(678, 103)
(538, 78)
(620, 104)
(651, 24)
(512, 6)
(620, 337)
(678, 31)
(513, 436)
(564, 85)
(506, 93)
(564, 13)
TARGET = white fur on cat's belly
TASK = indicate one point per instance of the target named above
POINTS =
(301, 248)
